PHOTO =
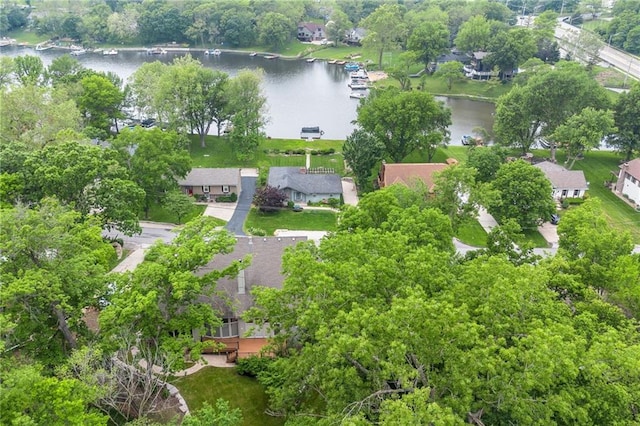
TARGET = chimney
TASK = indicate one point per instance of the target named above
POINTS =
(308, 161)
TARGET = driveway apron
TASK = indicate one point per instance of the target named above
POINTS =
(244, 205)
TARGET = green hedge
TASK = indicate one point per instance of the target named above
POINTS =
(231, 198)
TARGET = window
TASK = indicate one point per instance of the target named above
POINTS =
(576, 192)
(205, 189)
(564, 193)
(229, 328)
(225, 189)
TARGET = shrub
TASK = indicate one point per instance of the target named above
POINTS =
(252, 366)
(257, 232)
(269, 198)
(574, 201)
(290, 204)
(231, 198)
(334, 202)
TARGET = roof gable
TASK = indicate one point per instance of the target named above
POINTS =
(307, 183)
(405, 173)
(562, 178)
(203, 176)
(633, 168)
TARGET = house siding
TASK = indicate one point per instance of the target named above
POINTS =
(214, 190)
(631, 188)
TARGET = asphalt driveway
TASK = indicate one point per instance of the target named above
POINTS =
(244, 205)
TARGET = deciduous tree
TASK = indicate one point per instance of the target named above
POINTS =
(362, 152)
(385, 28)
(178, 203)
(274, 29)
(428, 41)
(451, 72)
(247, 109)
(100, 102)
(28, 69)
(474, 35)
(269, 198)
(524, 194)
(626, 111)
(404, 121)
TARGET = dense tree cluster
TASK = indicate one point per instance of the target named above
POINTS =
(383, 324)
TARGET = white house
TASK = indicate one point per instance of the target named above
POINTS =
(565, 183)
(628, 183)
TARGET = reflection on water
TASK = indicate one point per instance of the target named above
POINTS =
(299, 94)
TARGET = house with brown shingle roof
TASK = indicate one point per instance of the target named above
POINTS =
(234, 294)
(309, 31)
(628, 183)
(409, 173)
(565, 183)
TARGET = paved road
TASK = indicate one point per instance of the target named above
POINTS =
(621, 60)
(244, 205)
(151, 232)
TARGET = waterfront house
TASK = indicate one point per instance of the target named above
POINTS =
(565, 183)
(208, 183)
(309, 31)
(479, 69)
(305, 184)
(355, 35)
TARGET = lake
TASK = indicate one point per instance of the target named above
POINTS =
(299, 94)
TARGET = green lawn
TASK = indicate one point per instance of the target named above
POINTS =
(597, 167)
(157, 213)
(212, 383)
(535, 237)
(466, 88)
(218, 153)
(460, 153)
(473, 234)
(24, 36)
(308, 220)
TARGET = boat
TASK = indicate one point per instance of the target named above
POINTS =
(356, 85)
(271, 56)
(214, 52)
(4, 41)
(352, 66)
(78, 52)
(357, 95)
(360, 74)
(253, 54)
(156, 51)
(311, 133)
(110, 52)
(310, 60)
(333, 61)
(468, 140)
(341, 62)
(44, 46)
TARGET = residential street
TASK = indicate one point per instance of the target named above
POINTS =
(621, 60)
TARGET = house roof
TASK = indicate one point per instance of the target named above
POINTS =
(307, 183)
(480, 55)
(264, 270)
(211, 176)
(405, 173)
(562, 178)
(450, 57)
(311, 26)
(633, 168)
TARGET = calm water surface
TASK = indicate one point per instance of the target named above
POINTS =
(299, 94)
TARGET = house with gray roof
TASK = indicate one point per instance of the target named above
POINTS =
(565, 183)
(233, 294)
(211, 182)
(302, 184)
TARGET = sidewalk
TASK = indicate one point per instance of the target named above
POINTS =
(130, 262)
(486, 220)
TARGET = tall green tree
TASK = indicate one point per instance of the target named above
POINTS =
(28, 69)
(524, 194)
(164, 301)
(456, 195)
(583, 132)
(155, 160)
(338, 26)
(451, 72)
(53, 267)
(510, 49)
(404, 121)
(362, 152)
(385, 28)
(474, 35)
(247, 109)
(428, 41)
(100, 102)
(35, 115)
(62, 68)
(626, 111)
(274, 29)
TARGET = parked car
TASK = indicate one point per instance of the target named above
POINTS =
(555, 219)
(297, 208)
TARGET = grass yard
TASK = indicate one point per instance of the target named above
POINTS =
(308, 220)
(597, 167)
(473, 234)
(218, 153)
(26, 36)
(535, 237)
(212, 383)
(458, 152)
(466, 88)
(158, 213)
